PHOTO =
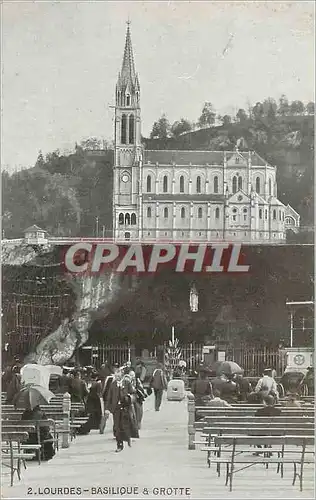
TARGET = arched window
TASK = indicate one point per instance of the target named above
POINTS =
(127, 219)
(280, 215)
(270, 187)
(127, 236)
(239, 183)
(266, 214)
(200, 211)
(133, 219)
(234, 184)
(182, 213)
(181, 184)
(274, 214)
(165, 184)
(217, 213)
(198, 184)
(123, 129)
(258, 185)
(165, 212)
(215, 184)
(121, 218)
(131, 129)
(128, 100)
(260, 213)
(148, 212)
(148, 182)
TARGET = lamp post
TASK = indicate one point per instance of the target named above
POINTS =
(291, 328)
(97, 226)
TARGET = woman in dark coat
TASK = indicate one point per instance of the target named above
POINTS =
(78, 389)
(46, 439)
(14, 385)
(140, 398)
(95, 410)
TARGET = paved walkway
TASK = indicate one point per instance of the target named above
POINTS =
(159, 459)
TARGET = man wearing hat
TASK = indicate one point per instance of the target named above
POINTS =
(267, 385)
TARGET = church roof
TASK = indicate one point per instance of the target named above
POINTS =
(34, 228)
(274, 201)
(290, 209)
(168, 157)
(195, 157)
(259, 198)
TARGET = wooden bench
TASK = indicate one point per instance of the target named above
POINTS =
(236, 410)
(12, 448)
(37, 424)
(284, 421)
(58, 417)
(239, 445)
(250, 429)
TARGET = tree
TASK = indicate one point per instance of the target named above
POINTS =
(180, 127)
(257, 110)
(161, 129)
(284, 107)
(297, 108)
(241, 115)
(269, 108)
(208, 115)
(226, 120)
(91, 143)
(310, 108)
(40, 162)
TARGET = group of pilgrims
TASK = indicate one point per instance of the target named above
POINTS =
(113, 390)
(116, 390)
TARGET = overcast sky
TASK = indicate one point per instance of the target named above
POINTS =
(61, 61)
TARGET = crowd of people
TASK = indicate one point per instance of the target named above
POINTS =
(227, 389)
(116, 390)
(119, 391)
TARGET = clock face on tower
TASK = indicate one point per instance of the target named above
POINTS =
(125, 177)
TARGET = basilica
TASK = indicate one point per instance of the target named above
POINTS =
(177, 195)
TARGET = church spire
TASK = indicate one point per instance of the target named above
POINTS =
(128, 74)
(127, 87)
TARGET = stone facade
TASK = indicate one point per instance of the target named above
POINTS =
(188, 195)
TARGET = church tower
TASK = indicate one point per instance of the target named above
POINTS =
(128, 148)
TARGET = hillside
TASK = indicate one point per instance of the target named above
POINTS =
(287, 142)
(62, 194)
(72, 194)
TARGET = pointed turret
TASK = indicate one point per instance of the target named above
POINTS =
(127, 87)
(128, 73)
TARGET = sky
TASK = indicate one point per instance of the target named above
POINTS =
(61, 61)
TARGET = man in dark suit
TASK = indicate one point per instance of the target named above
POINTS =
(159, 384)
(119, 403)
